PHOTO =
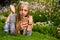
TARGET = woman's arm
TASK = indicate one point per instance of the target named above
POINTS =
(7, 20)
(30, 25)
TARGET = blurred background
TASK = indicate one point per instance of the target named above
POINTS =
(46, 15)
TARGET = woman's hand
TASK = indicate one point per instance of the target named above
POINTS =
(24, 23)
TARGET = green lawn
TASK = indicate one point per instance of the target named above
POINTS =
(34, 36)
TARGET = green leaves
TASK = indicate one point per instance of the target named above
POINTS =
(49, 30)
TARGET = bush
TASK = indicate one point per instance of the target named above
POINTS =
(47, 16)
(1, 25)
(50, 30)
(2, 20)
(38, 16)
(5, 13)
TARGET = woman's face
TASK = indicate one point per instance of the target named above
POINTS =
(23, 10)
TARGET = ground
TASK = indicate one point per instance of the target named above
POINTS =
(34, 36)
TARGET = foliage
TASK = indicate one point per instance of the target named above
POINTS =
(5, 13)
(46, 29)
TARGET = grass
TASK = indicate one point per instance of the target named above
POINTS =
(34, 36)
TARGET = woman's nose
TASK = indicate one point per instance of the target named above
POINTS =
(23, 12)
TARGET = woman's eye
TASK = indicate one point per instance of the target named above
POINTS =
(25, 10)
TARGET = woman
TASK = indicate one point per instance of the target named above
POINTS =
(21, 21)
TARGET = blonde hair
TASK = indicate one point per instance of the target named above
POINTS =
(18, 18)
